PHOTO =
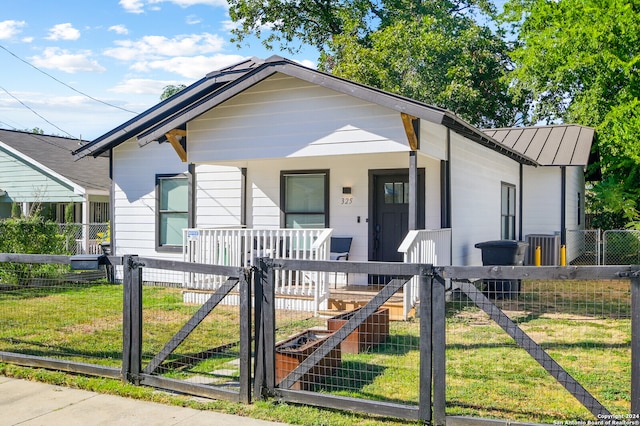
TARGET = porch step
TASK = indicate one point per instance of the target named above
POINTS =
(337, 307)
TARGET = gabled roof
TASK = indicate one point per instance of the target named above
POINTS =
(557, 145)
(54, 153)
(219, 86)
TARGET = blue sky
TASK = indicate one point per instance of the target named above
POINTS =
(120, 52)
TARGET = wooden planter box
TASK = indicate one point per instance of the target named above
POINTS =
(373, 331)
(291, 352)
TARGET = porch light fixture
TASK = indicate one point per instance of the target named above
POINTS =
(346, 190)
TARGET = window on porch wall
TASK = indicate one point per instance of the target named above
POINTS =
(173, 210)
(508, 209)
(305, 200)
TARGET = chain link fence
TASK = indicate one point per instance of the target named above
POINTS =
(84, 239)
(611, 247)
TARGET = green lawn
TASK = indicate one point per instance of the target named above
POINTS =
(487, 374)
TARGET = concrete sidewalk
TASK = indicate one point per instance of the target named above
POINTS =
(30, 403)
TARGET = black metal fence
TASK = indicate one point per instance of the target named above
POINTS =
(484, 343)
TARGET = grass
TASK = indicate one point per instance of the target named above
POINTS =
(584, 326)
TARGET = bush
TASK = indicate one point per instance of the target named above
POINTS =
(31, 235)
(622, 247)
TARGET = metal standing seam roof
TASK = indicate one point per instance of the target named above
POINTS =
(219, 86)
(555, 145)
(54, 152)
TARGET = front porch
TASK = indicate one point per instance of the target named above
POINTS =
(318, 292)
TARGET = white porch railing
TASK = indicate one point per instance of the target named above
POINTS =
(424, 246)
(241, 246)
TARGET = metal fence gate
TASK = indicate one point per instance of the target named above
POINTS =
(595, 247)
(206, 349)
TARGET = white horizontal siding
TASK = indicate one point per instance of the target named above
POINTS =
(284, 117)
(477, 174)
(218, 196)
(541, 200)
(134, 198)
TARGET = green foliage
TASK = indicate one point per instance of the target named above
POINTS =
(15, 210)
(447, 61)
(104, 237)
(171, 90)
(69, 216)
(31, 235)
(622, 248)
(432, 51)
(578, 60)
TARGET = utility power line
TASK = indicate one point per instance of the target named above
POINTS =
(36, 113)
(63, 83)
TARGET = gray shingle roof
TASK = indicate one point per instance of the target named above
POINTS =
(557, 145)
(54, 152)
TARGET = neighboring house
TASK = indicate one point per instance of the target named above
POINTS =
(38, 171)
(275, 145)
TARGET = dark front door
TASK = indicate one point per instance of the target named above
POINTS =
(390, 215)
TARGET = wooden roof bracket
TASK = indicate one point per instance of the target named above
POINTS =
(412, 129)
(179, 146)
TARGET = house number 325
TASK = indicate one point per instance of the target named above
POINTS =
(346, 200)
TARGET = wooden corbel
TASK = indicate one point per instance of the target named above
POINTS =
(412, 129)
(172, 137)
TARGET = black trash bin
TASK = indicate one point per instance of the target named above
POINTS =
(506, 253)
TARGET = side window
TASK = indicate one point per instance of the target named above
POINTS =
(172, 213)
(305, 200)
(579, 221)
(508, 212)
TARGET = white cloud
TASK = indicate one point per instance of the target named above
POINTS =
(307, 63)
(193, 20)
(138, 6)
(119, 29)
(10, 28)
(27, 39)
(142, 86)
(63, 32)
(132, 6)
(63, 60)
(228, 25)
(157, 47)
(189, 67)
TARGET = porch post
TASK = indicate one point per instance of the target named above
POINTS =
(86, 216)
(413, 190)
(411, 126)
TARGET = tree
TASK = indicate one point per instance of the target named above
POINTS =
(447, 61)
(432, 50)
(578, 59)
(171, 90)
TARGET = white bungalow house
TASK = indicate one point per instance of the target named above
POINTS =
(38, 172)
(277, 158)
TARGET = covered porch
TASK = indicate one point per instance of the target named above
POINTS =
(312, 291)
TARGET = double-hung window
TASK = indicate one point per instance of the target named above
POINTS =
(305, 201)
(508, 212)
(172, 197)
